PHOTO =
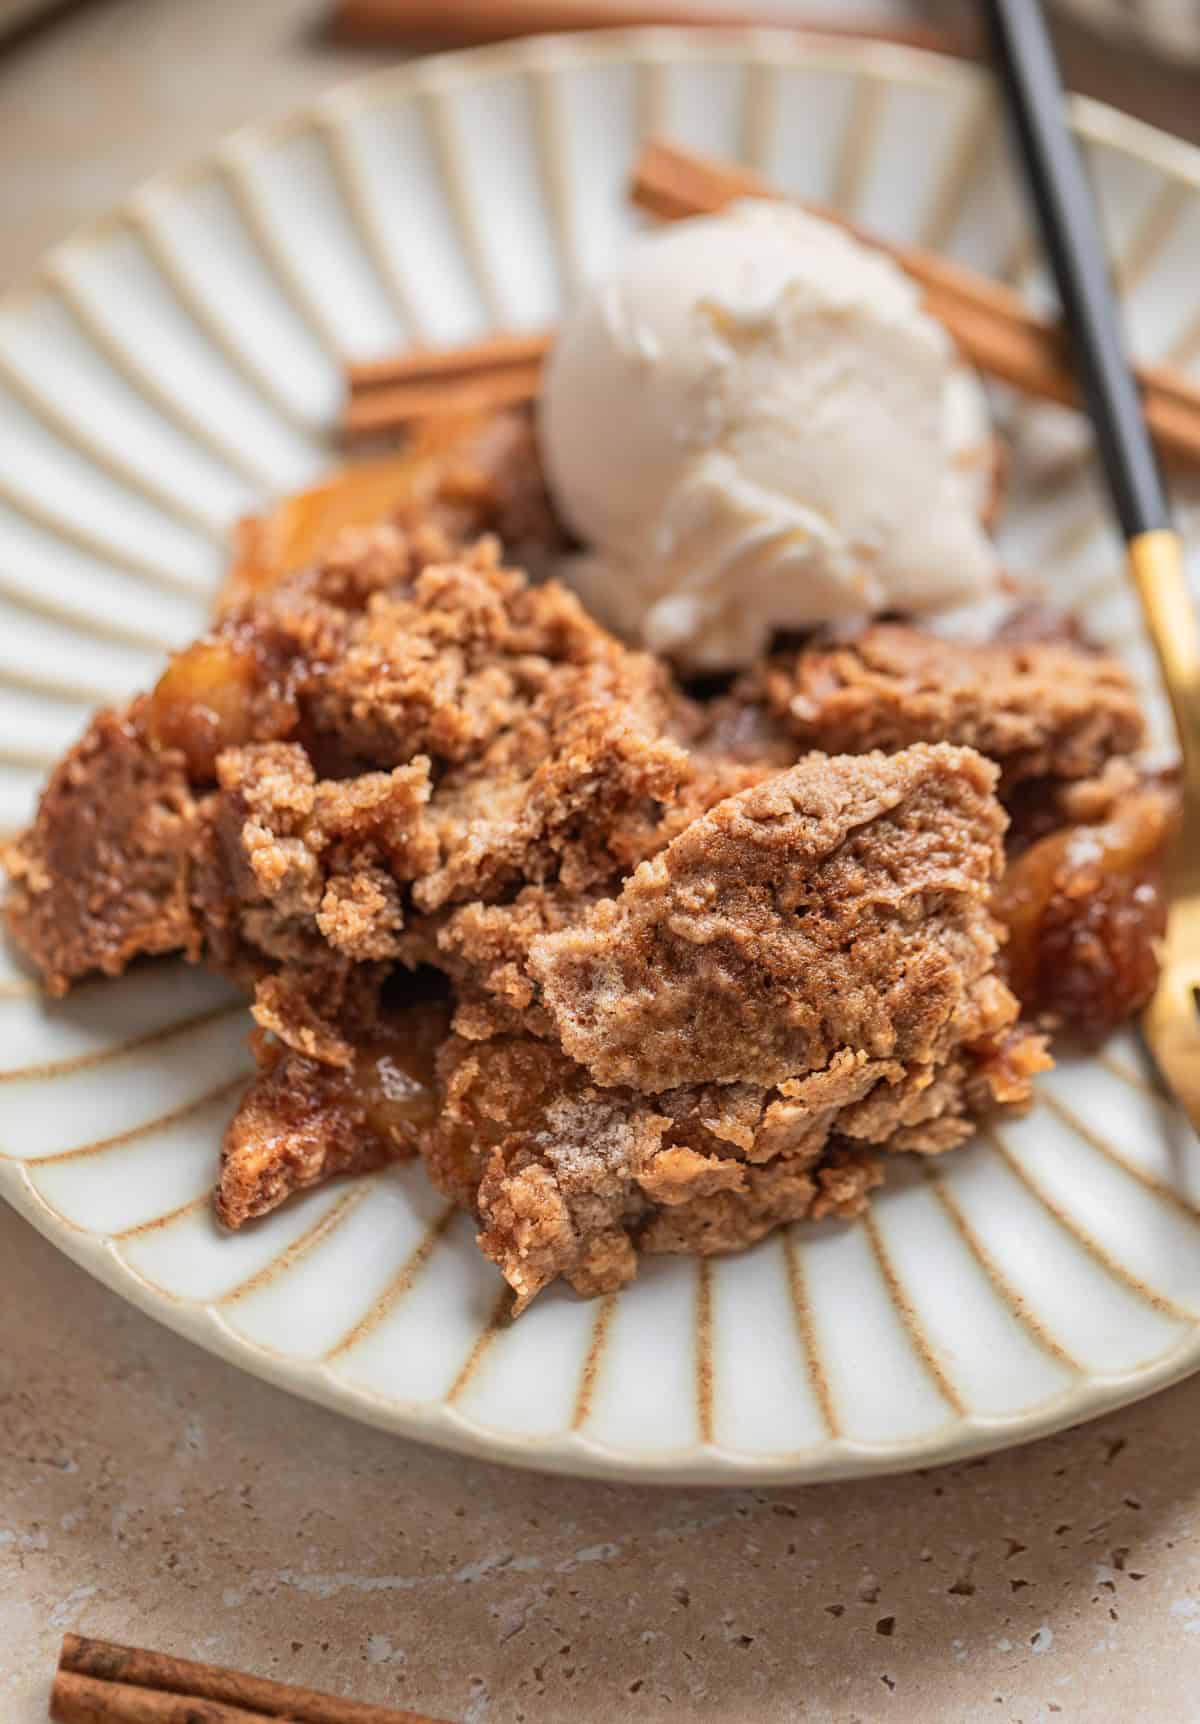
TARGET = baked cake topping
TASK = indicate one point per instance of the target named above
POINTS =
(1040, 709)
(632, 970)
(842, 904)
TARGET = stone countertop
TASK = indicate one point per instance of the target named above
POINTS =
(151, 1493)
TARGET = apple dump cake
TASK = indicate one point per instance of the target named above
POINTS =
(632, 963)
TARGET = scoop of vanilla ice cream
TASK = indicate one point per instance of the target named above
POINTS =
(754, 426)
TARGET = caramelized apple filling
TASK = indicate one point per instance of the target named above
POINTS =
(1083, 907)
(208, 700)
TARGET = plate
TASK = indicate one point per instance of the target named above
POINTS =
(172, 366)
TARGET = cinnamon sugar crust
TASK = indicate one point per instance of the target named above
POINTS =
(809, 967)
(1038, 708)
(101, 877)
(703, 965)
(841, 904)
(566, 1174)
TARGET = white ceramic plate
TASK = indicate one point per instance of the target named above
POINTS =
(172, 365)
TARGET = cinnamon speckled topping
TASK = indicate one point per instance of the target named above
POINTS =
(630, 971)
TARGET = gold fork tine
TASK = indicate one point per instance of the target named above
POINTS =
(1029, 76)
(1171, 1024)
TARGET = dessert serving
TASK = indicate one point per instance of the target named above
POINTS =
(635, 962)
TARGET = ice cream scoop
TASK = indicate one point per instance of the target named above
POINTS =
(754, 426)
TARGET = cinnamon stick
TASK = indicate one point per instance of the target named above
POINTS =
(990, 323)
(425, 364)
(993, 327)
(672, 183)
(469, 21)
(471, 390)
(102, 1683)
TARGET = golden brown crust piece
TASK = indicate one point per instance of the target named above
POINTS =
(484, 948)
(572, 1179)
(301, 1121)
(519, 741)
(1037, 708)
(842, 904)
(802, 979)
(772, 1196)
(102, 876)
(799, 981)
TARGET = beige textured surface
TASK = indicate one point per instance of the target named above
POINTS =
(115, 90)
(149, 1492)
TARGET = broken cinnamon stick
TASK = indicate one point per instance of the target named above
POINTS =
(102, 1683)
(468, 390)
(426, 364)
(993, 327)
(469, 21)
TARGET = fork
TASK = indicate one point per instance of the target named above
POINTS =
(1171, 1024)
(1027, 69)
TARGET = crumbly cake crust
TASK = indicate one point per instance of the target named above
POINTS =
(102, 876)
(840, 904)
(700, 965)
(1038, 708)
